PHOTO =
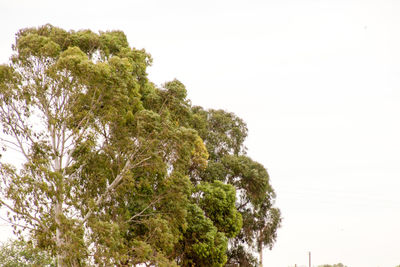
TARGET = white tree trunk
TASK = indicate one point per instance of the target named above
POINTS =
(58, 207)
(59, 238)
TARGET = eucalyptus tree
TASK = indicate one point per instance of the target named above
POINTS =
(118, 171)
(224, 134)
(68, 103)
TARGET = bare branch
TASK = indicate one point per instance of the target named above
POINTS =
(9, 142)
(16, 224)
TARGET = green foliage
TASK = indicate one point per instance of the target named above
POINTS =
(224, 134)
(217, 200)
(118, 171)
(19, 253)
(202, 244)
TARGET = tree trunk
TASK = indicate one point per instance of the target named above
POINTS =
(58, 213)
(59, 235)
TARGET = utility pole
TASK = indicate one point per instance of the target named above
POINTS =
(309, 259)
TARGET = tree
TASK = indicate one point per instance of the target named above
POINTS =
(70, 105)
(224, 134)
(118, 171)
(19, 253)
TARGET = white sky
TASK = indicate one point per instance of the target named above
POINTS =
(318, 83)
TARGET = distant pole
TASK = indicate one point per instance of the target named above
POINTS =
(309, 259)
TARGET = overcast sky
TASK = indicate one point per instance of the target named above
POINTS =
(318, 84)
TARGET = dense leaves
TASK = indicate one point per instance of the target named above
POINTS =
(118, 171)
(217, 200)
(202, 244)
(224, 134)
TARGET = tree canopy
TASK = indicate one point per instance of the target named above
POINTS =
(119, 171)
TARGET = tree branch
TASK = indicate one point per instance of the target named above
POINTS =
(16, 224)
(111, 187)
(140, 213)
(24, 214)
